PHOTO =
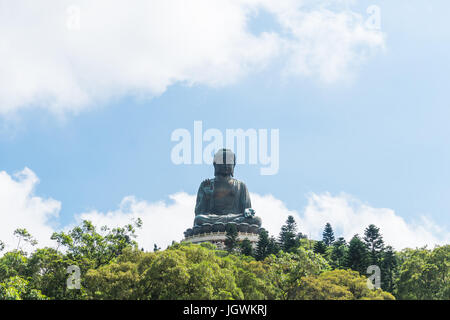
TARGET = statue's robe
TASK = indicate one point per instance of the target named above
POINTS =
(223, 200)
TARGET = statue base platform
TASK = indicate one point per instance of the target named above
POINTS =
(218, 238)
(221, 228)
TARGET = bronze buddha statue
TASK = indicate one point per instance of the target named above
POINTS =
(223, 200)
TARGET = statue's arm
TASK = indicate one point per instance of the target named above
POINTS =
(245, 200)
(201, 203)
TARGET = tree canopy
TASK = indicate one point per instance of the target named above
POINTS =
(111, 266)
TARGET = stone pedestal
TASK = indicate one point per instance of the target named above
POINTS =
(221, 228)
(218, 238)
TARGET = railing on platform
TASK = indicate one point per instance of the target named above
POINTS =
(218, 233)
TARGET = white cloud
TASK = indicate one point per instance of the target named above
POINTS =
(162, 222)
(272, 211)
(20, 208)
(329, 44)
(140, 48)
(166, 221)
(349, 216)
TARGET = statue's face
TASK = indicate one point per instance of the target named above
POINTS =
(224, 162)
(224, 169)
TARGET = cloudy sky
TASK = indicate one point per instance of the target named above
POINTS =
(91, 92)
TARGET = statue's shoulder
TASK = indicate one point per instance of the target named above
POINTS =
(207, 182)
(238, 182)
(234, 180)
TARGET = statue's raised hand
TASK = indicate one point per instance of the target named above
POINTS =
(208, 187)
(249, 212)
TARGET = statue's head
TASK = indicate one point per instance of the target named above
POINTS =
(224, 163)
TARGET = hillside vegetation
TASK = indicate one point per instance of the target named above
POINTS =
(111, 266)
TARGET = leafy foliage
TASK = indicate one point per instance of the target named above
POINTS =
(24, 235)
(231, 241)
(338, 285)
(246, 247)
(320, 247)
(338, 253)
(375, 244)
(17, 288)
(357, 255)
(262, 247)
(112, 267)
(328, 235)
(424, 274)
(287, 239)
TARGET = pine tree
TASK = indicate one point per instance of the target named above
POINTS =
(320, 247)
(328, 235)
(375, 244)
(340, 242)
(262, 246)
(287, 238)
(246, 247)
(338, 253)
(357, 255)
(273, 247)
(389, 268)
(231, 237)
(301, 236)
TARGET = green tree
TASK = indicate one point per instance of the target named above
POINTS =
(262, 246)
(120, 279)
(47, 270)
(424, 274)
(328, 235)
(246, 247)
(375, 244)
(389, 269)
(24, 235)
(231, 241)
(340, 242)
(166, 276)
(339, 253)
(112, 267)
(286, 269)
(287, 238)
(320, 247)
(250, 278)
(338, 285)
(273, 246)
(13, 263)
(17, 288)
(62, 239)
(88, 249)
(183, 271)
(301, 236)
(92, 249)
(357, 255)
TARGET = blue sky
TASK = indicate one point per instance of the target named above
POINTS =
(380, 136)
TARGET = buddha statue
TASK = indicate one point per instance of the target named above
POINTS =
(224, 200)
